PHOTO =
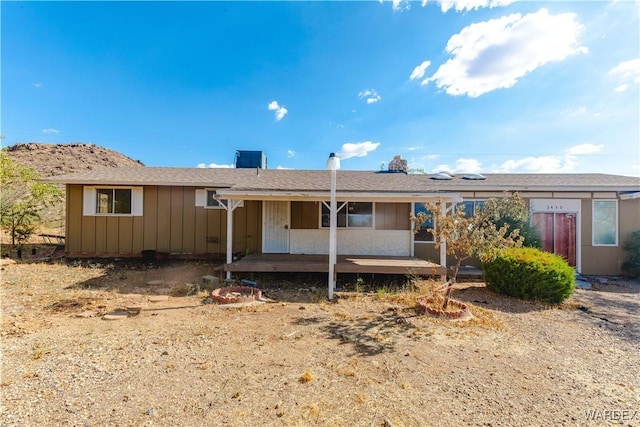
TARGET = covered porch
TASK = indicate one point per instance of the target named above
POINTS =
(289, 263)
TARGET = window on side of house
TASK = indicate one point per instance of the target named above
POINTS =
(212, 202)
(605, 223)
(423, 235)
(113, 201)
(352, 215)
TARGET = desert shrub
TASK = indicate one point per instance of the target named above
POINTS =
(631, 267)
(530, 274)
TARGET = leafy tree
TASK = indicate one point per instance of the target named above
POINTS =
(23, 199)
(483, 235)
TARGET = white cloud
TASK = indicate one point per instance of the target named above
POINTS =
(214, 165)
(418, 72)
(414, 148)
(280, 111)
(291, 153)
(37, 84)
(370, 96)
(356, 149)
(542, 164)
(621, 88)
(50, 130)
(462, 166)
(494, 54)
(584, 149)
(280, 167)
(466, 5)
(551, 163)
(399, 5)
(628, 71)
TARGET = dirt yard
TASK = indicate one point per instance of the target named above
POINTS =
(366, 359)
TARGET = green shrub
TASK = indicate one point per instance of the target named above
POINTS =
(530, 274)
(631, 267)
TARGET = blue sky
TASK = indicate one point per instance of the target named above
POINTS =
(465, 86)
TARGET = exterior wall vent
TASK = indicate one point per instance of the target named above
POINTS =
(250, 160)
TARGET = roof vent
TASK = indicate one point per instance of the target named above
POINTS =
(474, 177)
(442, 176)
(398, 164)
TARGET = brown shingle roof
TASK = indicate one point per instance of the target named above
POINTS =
(262, 180)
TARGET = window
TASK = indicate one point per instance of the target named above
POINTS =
(212, 202)
(423, 235)
(605, 223)
(470, 207)
(206, 198)
(352, 215)
(112, 201)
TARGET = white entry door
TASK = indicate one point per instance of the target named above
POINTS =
(275, 227)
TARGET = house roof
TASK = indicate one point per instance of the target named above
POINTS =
(263, 182)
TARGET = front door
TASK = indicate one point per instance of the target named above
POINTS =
(558, 233)
(275, 227)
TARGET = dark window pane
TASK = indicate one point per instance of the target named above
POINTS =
(423, 235)
(122, 204)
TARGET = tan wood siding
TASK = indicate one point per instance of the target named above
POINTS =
(74, 226)
(163, 228)
(137, 238)
(101, 233)
(305, 215)
(125, 235)
(176, 220)
(150, 218)
(200, 231)
(188, 220)
(216, 223)
(392, 216)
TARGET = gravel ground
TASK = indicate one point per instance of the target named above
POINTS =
(365, 360)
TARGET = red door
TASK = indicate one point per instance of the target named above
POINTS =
(558, 233)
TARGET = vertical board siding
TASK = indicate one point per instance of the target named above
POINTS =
(188, 220)
(150, 218)
(163, 229)
(216, 224)
(176, 220)
(200, 221)
(74, 226)
(101, 234)
(304, 215)
(111, 236)
(392, 216)
(137, 235)
(125, 235)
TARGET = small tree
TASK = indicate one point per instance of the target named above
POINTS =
(482, 235)
(23, 199)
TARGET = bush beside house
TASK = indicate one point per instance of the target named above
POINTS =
(530, 274)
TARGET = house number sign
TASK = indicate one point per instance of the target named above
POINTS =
(555, 205)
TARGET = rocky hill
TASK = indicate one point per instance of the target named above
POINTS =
(58, 159)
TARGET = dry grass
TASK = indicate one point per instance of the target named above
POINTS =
(366, 359)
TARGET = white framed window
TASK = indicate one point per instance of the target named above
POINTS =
(470, 207)
(352, 215)
(207, 198)
(112, 201)
(604, 223)
(423, 235)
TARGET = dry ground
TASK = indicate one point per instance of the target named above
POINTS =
(364, 360)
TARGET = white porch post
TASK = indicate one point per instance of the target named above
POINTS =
(230, 206)
(443, 242)
(333, 164)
